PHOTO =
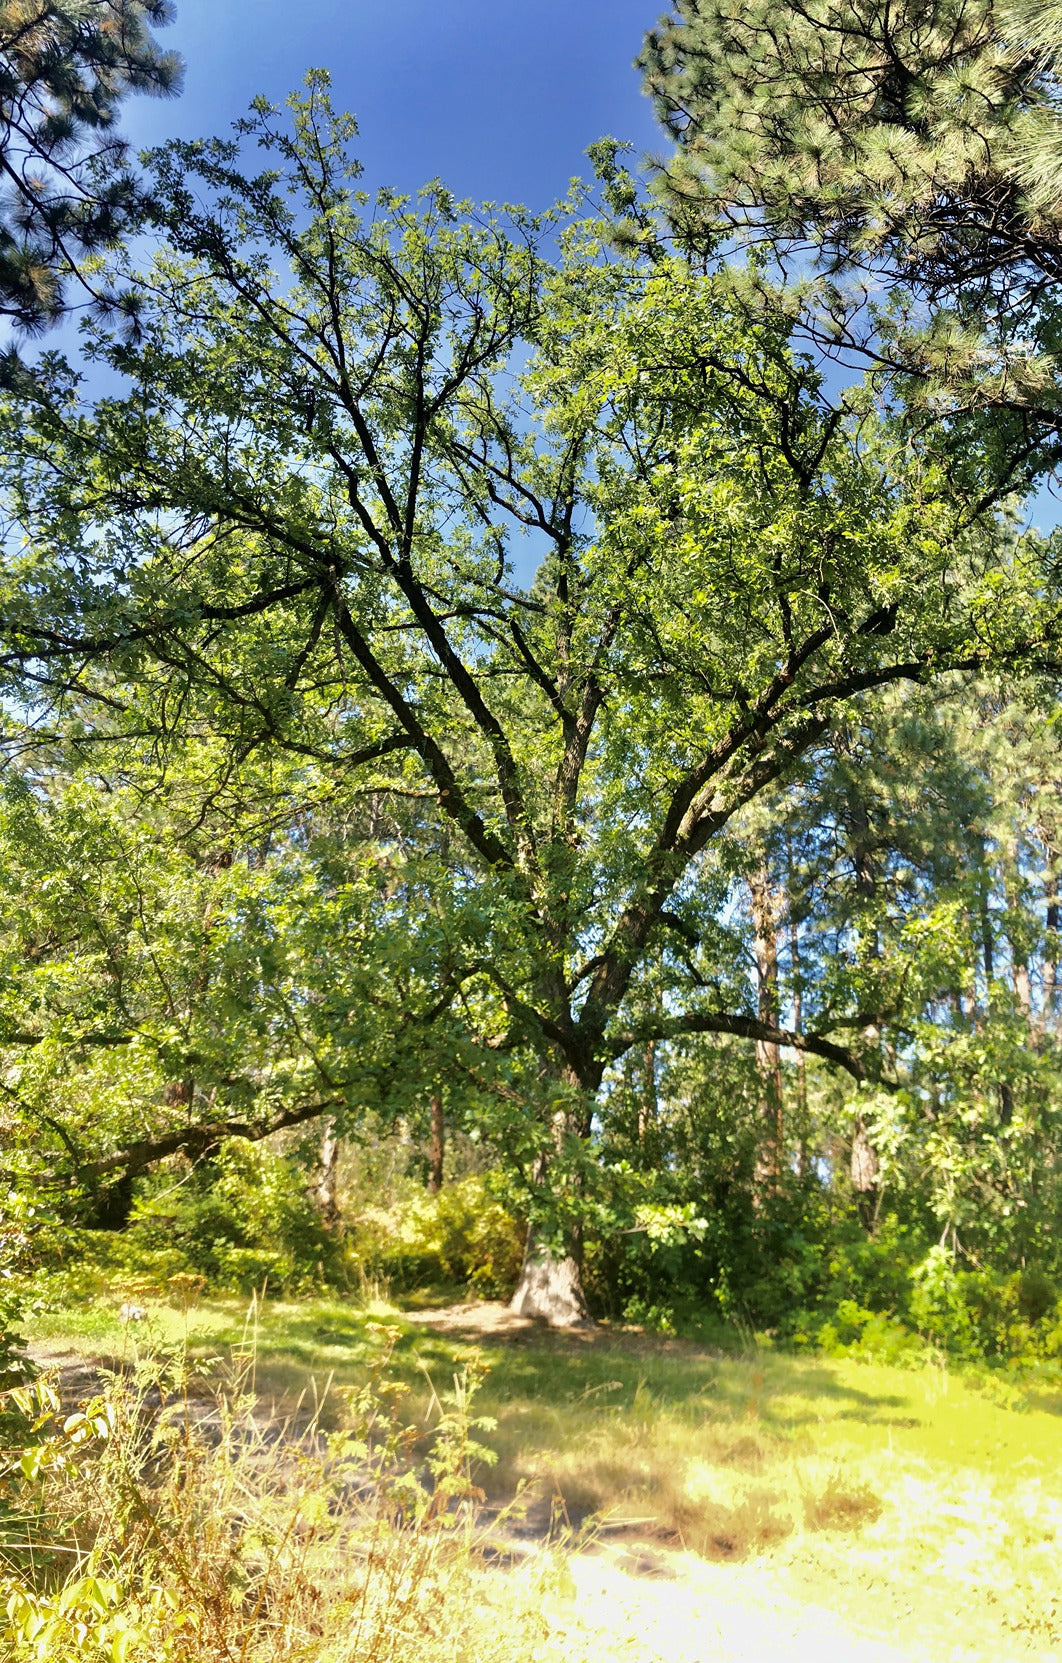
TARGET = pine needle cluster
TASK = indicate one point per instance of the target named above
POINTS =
(907, 132)
(65, 186)
(906, 146)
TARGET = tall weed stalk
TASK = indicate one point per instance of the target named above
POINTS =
(157, 1524)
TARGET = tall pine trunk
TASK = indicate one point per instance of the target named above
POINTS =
(768, 1055)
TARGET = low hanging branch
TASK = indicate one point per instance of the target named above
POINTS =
(134, 1159)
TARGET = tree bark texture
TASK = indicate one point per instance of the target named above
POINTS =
(550, 1288)
(325, 1196)
(437, 1151)
(768, 1055)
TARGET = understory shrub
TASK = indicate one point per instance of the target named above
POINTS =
(982, 1315)
(853, 1331)
(19, 1223)
(238, 1220)
(975, 1317)
(784, 1265)
(463, 1237)
(803, 1267)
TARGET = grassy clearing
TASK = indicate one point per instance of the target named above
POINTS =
(159, 1528)
(908, 1503)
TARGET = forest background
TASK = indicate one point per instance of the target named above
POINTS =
(531, 737)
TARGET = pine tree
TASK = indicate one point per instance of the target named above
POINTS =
(1032, 34)
(905, 133)
(917, 143)
(65, 66)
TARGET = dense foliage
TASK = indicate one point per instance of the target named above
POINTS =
(472, 675)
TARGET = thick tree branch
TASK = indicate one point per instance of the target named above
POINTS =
(451, 798)
(748, 1027)
(138, 1157)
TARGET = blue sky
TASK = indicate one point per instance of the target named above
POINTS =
(498, 100)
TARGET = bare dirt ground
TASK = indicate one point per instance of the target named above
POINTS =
(79, 1376)
(479, 1317)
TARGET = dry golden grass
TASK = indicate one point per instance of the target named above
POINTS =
(155, 1526)
(906, 1507)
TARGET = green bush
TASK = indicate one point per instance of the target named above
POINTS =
(856, 1332)
(238, 1220)
(16, 1223)
(462, 1237)
(1015, 1318)
(659, 1318)
(242, 1269)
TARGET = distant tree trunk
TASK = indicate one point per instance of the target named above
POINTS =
(1019, 961)
(437, 1153)
(1051, 958)
(987, 941)
(647, 1100)
(1019, 955)
(1004, 1091)
(796, 974)
(768, 1056)
(325, 1196)
(1023, 989)
(865, 1167)
(1022, 982)
(863, 1160)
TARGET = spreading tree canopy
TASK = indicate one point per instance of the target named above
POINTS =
(569, 556)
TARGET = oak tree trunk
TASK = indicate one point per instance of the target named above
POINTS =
(550, 1288)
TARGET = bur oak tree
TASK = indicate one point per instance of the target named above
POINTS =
(570, 553)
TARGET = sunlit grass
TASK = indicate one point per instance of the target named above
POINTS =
(907, 1502)
(163, 1527)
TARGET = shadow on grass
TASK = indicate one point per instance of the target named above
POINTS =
(1048, 1403)
(558, 1365)
(667, 1441)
